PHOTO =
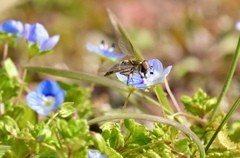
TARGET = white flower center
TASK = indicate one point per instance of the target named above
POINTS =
(48, 100)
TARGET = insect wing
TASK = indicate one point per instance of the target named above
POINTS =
(126, 46)
(123, 67)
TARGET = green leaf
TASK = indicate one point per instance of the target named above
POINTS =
(22, 115)
(182, 145)
(72, 128)
(111, 132)
(10, 68)
(137, 134)
(199, 104)
(80, 96)
(8, 125)
(66, 109)
(8, 87)
(3, 149)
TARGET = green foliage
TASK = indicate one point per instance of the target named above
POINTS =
(111, 132)
(66, 109)
(33, 50)
(199, 104)
(80, 97)
(9, 86)
(8, 38)
(138, 141)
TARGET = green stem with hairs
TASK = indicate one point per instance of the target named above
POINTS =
(228, 80)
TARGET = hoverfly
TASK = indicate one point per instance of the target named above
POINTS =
(131, 66)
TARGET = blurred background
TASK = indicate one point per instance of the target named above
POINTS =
(197, 37)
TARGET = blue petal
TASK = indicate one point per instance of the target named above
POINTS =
(94, 49)
(112, 55)
(37, 33)
(12, 26)
(48, 88)
(34, 100)
(104, 53)
(49, 43)
(95, 154)
(136, 80)
(59, 98)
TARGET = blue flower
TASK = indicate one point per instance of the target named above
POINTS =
(104, 51)
(237, 25)
(95, 154)
(154, 76)
(36, 33)
(13, 27)
(157, 74)
(47, 97)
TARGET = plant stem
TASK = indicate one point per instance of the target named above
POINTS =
(225, 120)
(126, 101)
(160, 102)
(53, 117)
(175, 103)
(161, 95)
(22, 85)
(228, 80)
(5, 52)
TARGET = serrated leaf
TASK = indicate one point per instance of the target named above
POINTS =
(137, 134)
(182, 145)
(72, 128)
(66, 109)
(112, 134)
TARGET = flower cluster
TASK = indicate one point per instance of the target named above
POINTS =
(154, 76)
(104, 51)
(47, 97)
(36, 35)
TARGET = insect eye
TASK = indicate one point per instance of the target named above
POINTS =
(113, 45)
(102, 42)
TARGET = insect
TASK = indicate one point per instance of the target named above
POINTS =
(131, 66)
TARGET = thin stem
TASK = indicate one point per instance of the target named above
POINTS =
(225, 120)
(172, 96)
(161, 95)
(228, 80)
(126, 101)
(189, 116)
(160, 103)
(175, 103)
(22, 85)
(51, 119)
(5, 52)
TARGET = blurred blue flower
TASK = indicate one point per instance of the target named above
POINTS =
(95, 154)
(237, 25)
(104, 51)
(154, 76)
(36, 33)
(13, 27)
(47, 97)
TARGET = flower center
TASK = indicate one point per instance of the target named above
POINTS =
(48, 100)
